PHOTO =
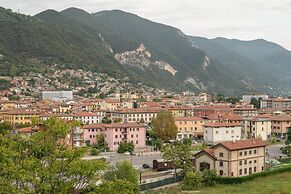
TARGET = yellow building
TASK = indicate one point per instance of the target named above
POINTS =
(19, 116)
(180, 111)
(189, 127)
(233, 158)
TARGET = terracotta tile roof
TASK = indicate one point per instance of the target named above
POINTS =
(189, 118)
(113, 125)
(281, 118)
(84, 114)
(242, 144)
(222, 125)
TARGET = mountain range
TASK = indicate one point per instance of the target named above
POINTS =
(122, 44)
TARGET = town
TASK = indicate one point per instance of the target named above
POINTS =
(232, 136)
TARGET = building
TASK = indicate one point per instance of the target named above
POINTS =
(276, 104)
(266, 103)
(87, 117)
(280, 124)
(233, 158)
(189, 127)
(19, 116)
(246, 112)
(248, 98)
(210, 110)
(260, 127)
(116, 133)
(142, 115)
(218, 132)
(57, 95)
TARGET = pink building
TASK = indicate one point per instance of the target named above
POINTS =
(116, 133)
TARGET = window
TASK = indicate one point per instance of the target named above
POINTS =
(220, 163)
(262, 168)
(231, 173)
(255, 161)
(240, 171)
(221, 172)
(220, 154)
(240, 162)
(216, 132)
(116, 136)
(226, 131)
(246, 171)
(136, 142)
(255, 169)
(255, 151)
(240, 153)
(245, 161)
(246, 153)
(250, 152)
(250, 162)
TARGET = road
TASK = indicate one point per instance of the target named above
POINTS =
(274, 151)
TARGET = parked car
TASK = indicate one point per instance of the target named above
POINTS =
(146, 166)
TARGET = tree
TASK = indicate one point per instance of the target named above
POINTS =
(180, 154)
(5, 128)
(164, 126)
(123, 172)
(191, 181)
(209, 177)
(125, 147)
(288, 136)
(101, 143)
(255, 102)
(44, 163)
(119, 186)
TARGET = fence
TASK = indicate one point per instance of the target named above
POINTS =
(160, 183)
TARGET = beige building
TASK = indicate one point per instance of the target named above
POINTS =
(233, 158)
(260, 127)
(280, 124)
(189, 127)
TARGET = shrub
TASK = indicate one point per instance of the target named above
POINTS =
(209, 177)
(125, 147)
(95, 152)
(238, 180)
(191, 181)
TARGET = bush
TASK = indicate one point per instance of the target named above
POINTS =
(125, 147)
(95, 152)
(209, 177)
(191, 181)
(239, 180)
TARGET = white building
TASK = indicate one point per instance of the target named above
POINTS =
(57, 95)
(87, 117)
(219, 132)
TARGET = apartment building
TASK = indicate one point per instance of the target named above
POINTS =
(218, 132)
(213, 109)
(142, 115)
(233, 158)
(246, 112)
(87, 117)
(248, 98)
(189, 127)
(19, 116)
(180, 111)
(260, 127)
(116, 133)
(280, 124)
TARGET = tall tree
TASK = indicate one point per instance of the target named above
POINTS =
(180, 154)
(164, 126)
(255, 102)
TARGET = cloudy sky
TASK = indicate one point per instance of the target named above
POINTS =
(241, 19)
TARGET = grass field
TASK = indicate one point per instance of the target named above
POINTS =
(274, 184)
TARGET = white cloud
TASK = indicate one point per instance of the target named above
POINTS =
(242, 19)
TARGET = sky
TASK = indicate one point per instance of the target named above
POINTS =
(239, 19)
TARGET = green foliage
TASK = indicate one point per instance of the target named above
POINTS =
(5, 127)
(255, 102)
(42, 163)
(288, 138)
(106, 120)
(164, 126)
(209, 177)
(4, 84)
(180, 154)
(95, 151)
(125, 147)
(119, 186)
(123, 171)
(239, 180)
(191, 181)
(101, 143)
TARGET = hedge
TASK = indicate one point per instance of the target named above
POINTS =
(238, 180)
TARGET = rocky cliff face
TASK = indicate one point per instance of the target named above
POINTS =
(141, 58)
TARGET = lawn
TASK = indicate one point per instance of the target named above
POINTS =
(280, 183)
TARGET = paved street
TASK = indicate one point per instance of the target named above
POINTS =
(274, 150)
